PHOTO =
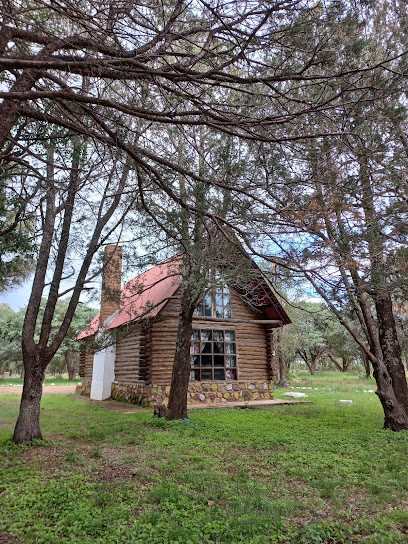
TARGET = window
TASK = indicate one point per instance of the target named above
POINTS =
(213, 355)
(216, 303)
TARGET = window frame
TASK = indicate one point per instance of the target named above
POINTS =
(196, 371)
(211, 298)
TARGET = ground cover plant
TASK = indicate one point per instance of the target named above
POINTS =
(49, 380)
(110, 473)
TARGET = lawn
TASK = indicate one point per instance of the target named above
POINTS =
(322, 473)
(49, 380)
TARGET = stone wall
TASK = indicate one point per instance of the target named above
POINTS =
(84, 388)
(205, 392)
(215, 392)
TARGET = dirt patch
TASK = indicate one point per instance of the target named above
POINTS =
(108, 468)
(109, 473)
(7, 539)
(55, 389)
(114, 405)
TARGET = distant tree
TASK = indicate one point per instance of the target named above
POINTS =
(285, 354)
(17, 241)
(306, 337)
(342, 350)
(11, 324)
(70, 348)
(66, 358)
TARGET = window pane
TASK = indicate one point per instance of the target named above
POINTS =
(207, 310)
(231, 374)
(205, 335)
(207, 299)
(219, 311)
(230, 348)
(195, 361)
(219, 374)
(230, 361)
(206, 374)
(219, 360)
(200, 309)
(206, 348)
(206, 360)
(195, 347)
(218, 300)
(227, 312)
(226, 303)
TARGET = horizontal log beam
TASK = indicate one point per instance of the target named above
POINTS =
(276, 322)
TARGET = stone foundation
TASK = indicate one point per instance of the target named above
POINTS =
(205, 392)
(84, 389)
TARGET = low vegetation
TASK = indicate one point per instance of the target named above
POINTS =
(109, 473)
(49, 380)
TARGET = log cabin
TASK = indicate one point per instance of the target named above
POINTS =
(232, 352)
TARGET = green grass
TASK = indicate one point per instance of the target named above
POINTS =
(321, 473)
(14, 380)
(328, 376)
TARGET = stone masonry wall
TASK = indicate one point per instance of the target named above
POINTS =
(215, 392)
(84, 389)
(206, 393)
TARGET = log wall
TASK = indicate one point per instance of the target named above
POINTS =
(252, 360)
(86, 360)
(127, 361)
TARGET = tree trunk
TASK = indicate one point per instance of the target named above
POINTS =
(391, 348)
(70, 360)
(312, 365)
(28, 423)
(282, 371)
(395, 416)
(177, 407)
(333, 360)
(389, 373)
(366, 365)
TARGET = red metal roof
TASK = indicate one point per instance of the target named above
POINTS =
(143, 296)
(147, 294)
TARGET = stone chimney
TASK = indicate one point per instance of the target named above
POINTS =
(111, 282)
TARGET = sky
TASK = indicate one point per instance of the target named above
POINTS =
(18, 297)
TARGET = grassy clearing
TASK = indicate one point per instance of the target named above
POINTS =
(307, 474)
(334, 377)
(49, 380)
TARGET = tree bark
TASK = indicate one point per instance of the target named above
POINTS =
(313, 366)
(391, 348)
(70, 360)
(282, 371)
(395, 415)
(366, 365)
(333, 360)
(280, 366)
(28, 423)
(395, 405)
(177, 407)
